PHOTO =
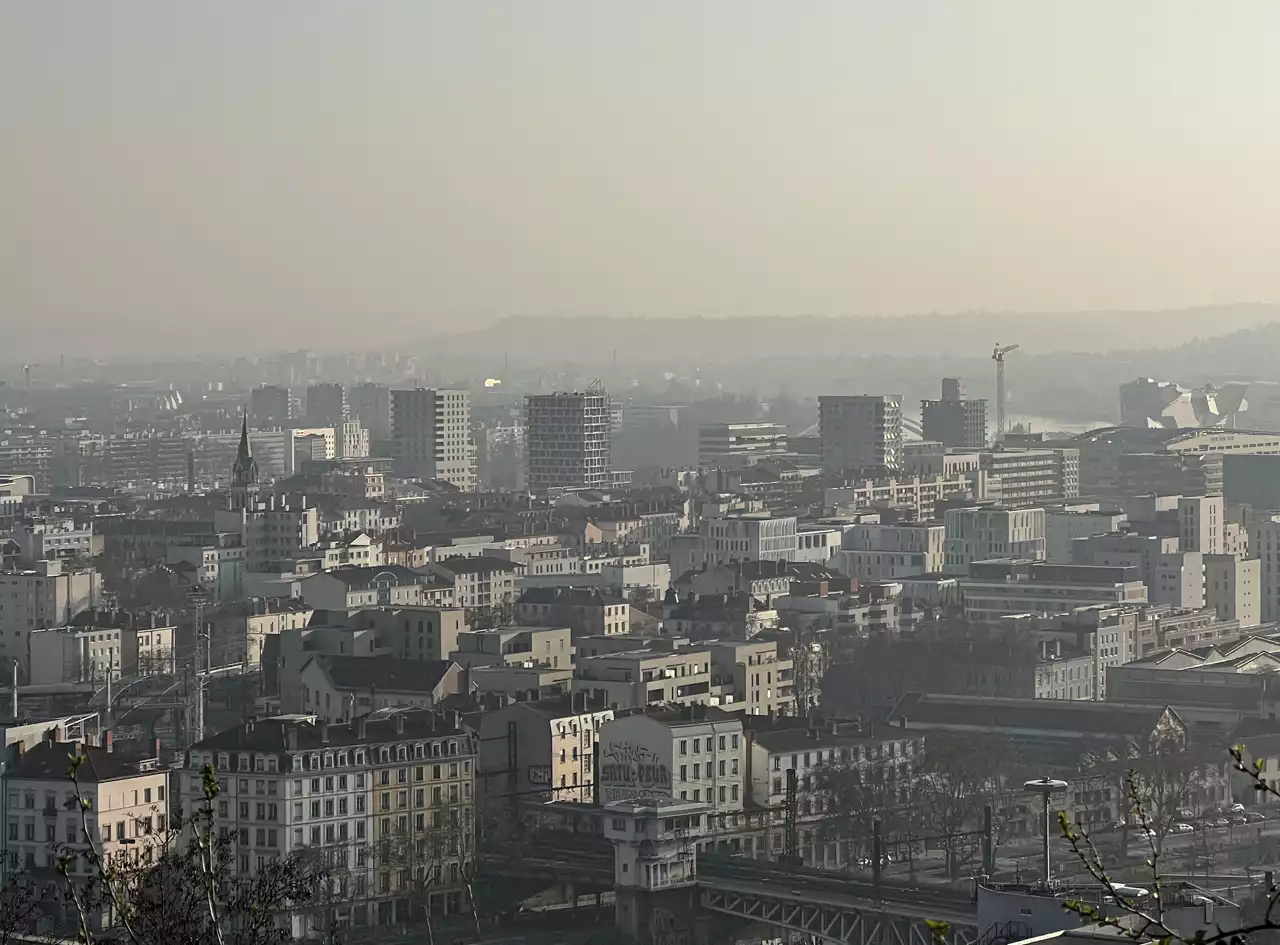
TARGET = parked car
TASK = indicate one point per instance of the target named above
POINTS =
(1255, 816)
(1220, 822)
(1182, 828)
(1236, 809)
(1239, 819)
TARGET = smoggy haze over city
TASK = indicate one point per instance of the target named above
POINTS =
(184, 175)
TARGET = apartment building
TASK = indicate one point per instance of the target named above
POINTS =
(888, 552)
(127, 812)
(1033, 476)
(431, 436)
(218, 566)
(79, 654)
(631, 678)
(860, 433)
(750, 677)
(735, 445)
(553, 742)
(419, 633)
(728, 537)
(326, 405)
(1232, 588)
(996, 589)
(1201, 523)
(238, 632)
(587, 611)
(388, 797)
(370, 405)
(567, 441)
(515, 646)
(1264, 539)
(689, 753)
(979, 534)
(340, 688)
(270, 406)
(386, 586)
(47, 595)
(1172, 577)
(955, 421)
(881, 758)
(481, 581)
(919, 493)
(56, 538)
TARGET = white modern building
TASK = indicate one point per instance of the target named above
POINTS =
(876, 552)
(567, 440)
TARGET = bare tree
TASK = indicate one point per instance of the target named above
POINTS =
(181, 888)
(961, 775)
(23, 908)
(1142, 917)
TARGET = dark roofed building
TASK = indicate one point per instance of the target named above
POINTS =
(339, 688)
(587, 611)
(383, 586)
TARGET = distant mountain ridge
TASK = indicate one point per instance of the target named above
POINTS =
(960, 335)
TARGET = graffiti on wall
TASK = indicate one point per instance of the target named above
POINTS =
(632, 772)
(540, 775)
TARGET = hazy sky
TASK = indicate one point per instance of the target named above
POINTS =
(366, 171)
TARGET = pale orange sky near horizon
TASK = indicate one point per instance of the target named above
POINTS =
(354, 173)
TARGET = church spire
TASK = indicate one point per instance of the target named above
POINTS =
(244, 474)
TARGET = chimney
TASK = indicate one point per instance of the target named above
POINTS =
(19, 748)
(155, 748)
(108, 740)
(324, 731)
(835, 728)
(399, 723)
(362, 727)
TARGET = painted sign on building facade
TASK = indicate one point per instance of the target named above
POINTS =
(632, 772)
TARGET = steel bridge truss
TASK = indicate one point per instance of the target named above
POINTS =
(847, 924)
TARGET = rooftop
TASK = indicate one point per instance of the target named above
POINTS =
(360, 577)
(1049, 715)
(385, 673)
(569, 597)
(304, 732)
(479, 564)
(48, 761)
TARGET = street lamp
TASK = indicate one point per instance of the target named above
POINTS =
(1046, 788)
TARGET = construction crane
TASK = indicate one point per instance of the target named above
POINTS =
(998, 357)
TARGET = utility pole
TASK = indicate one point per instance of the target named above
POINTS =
(791, 850)
(202, 667)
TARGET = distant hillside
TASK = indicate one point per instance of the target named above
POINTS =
(961, 335)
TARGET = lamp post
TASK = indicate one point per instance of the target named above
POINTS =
(1046, 788)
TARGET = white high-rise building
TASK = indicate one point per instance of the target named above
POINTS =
(431, 435)
(1201, 523)
(861, 432)
(567, 440)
